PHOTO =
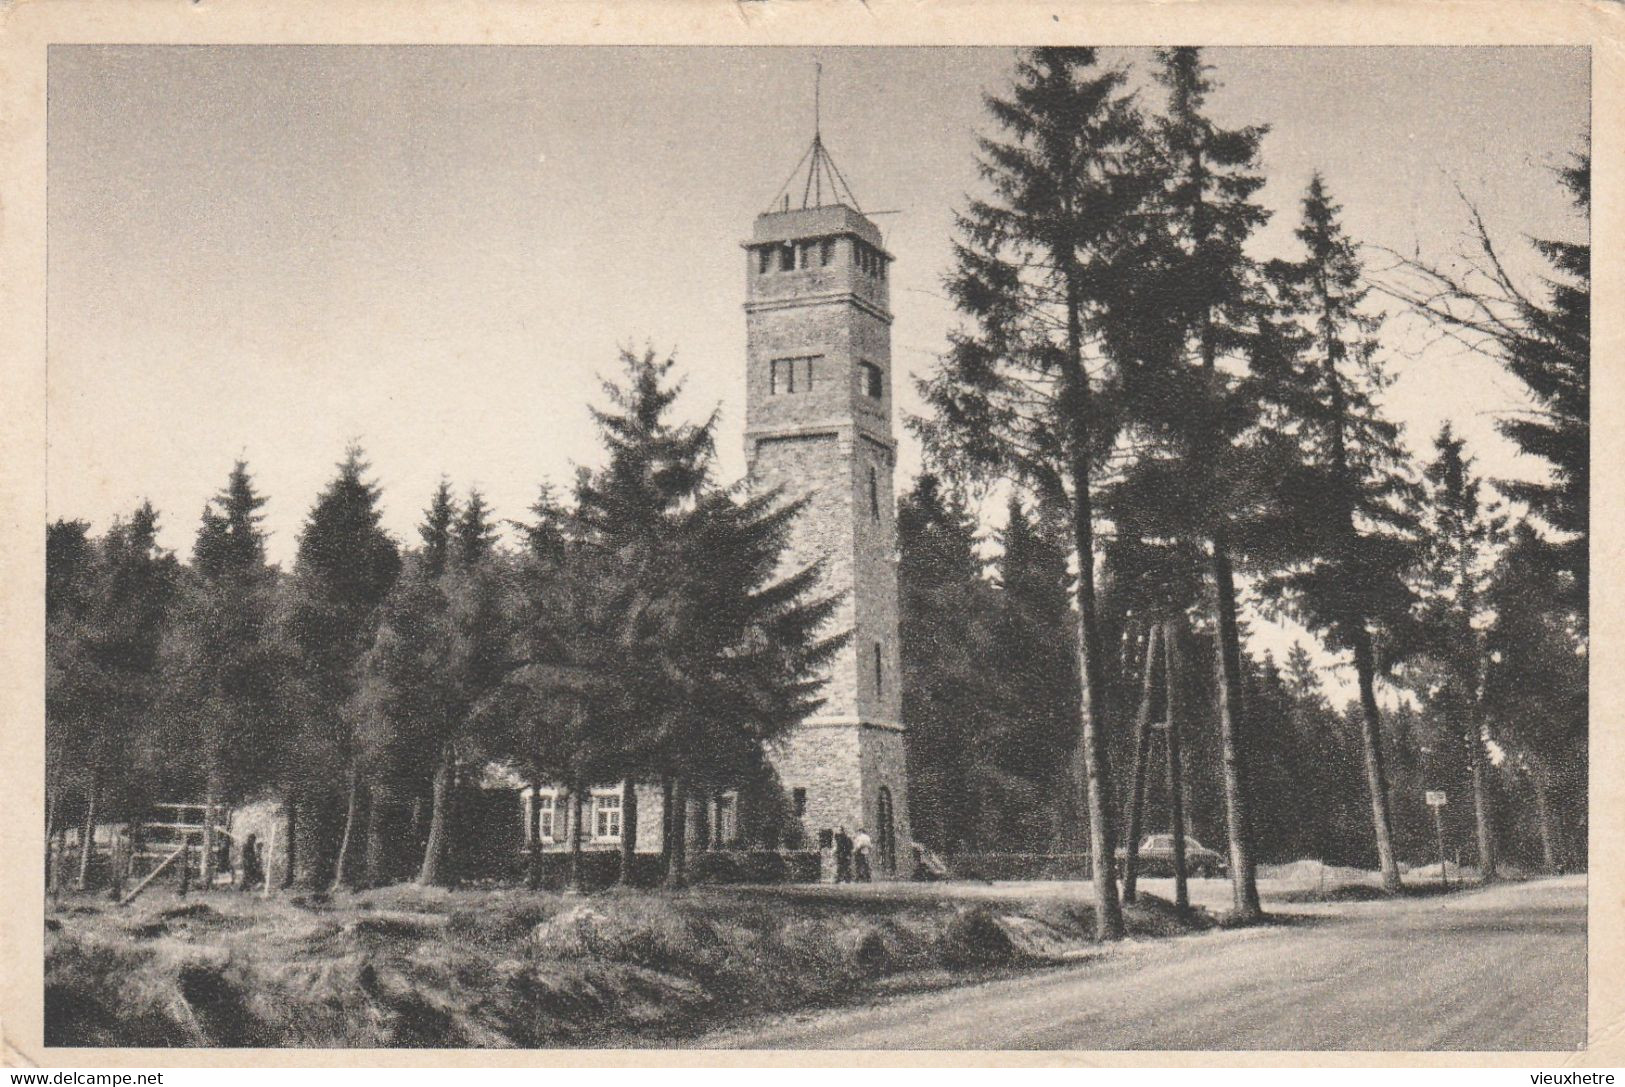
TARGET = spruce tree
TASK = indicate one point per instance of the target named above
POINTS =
(629, 515)
(1343, 573)
(1019, 394)
(948, 698)
(1536, 689)
(117, 654)
(223, 672)
(72, 576)
(1450, 665)
(436, 529)
(328, 614)
(665, 632)
(1035, 651)
(1197, 273)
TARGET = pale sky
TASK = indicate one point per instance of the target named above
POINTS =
(270, 251)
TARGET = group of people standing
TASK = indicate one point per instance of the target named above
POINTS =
(853, 856)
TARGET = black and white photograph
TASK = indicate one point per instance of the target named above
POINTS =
(1028, 547)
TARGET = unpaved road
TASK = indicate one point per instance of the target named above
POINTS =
(1501, 969)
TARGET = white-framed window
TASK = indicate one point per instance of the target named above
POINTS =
(727, 829)
(606, 817)
(546, 829)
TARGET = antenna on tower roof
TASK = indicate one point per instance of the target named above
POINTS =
(818, 99)
(819, 165)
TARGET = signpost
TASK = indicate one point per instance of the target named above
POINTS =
(1437, 801)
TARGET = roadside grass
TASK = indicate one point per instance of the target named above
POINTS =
(406, 966)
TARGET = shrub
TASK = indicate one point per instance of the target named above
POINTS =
(974, 937)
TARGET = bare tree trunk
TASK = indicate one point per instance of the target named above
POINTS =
(666, 788)
(1550, 851)
(379, 861)
(1481, 807)
(1142, 744)
(573, 883)
(290, 815)
(1092, 709)
(417, 815)
(1232, 743)
(87, 843)
(1376, 777)
(342, 868)
(1173, 671)
(533, 860)
(311, 856)
(677, 848)
(53, 808)
(52, 826)
(211, 804)
(434, 873)
(629, 830)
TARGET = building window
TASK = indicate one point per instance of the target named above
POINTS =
(880, 675)
(787, 258)
(798, 801)
(826, 252)
(545, 830)
(869, 260)
(726, 830)
(874, 493)
(869, 380)
(789, 375)
(764, 260)
(606, 817)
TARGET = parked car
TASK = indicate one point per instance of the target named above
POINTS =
(1156, 857)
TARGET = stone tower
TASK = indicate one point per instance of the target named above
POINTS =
(819, 426)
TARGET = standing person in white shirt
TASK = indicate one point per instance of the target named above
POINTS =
(861, 846)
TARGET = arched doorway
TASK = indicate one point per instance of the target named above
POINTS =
(887, 829)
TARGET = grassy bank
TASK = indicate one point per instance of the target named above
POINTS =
(412, 967)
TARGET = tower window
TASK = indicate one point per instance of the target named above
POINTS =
(826, 251)
(869, 380)
(783, 377)
(798, 801)
(764, 260)
(787, 375)
(880, 681)
(874, 493)
(787, 258)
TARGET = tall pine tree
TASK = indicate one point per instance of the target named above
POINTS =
(223, 672)
(1019, 394)
(1451, 656)
(343, 569)
(948, 702)
(1197, 272)
(1343, 573)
